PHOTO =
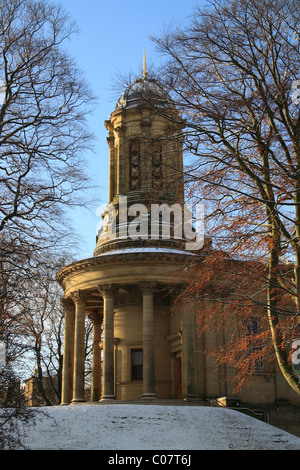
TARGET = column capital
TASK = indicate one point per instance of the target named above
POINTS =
(120, 130)
(79, 296)
(96, 317)
(147, 287)
(106, 289)
(67, 304)
(110, 141)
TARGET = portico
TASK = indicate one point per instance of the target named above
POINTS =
(134, 314)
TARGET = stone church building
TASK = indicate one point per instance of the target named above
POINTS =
(145, 345)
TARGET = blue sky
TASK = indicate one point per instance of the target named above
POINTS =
(112, 39)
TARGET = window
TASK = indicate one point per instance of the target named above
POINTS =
(252, 330)
(136, 364)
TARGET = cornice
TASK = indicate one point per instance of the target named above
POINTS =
(90, 264)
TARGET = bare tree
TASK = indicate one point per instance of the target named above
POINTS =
(43, 132)
(231, 74)
(14, 415)
(43, 136)
(40, 322)
(41, 330)
(44, 101)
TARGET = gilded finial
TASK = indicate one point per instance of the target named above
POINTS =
(145, 66)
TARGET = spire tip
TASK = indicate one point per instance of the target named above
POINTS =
(145, 66)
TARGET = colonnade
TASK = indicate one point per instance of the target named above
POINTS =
(74, 346)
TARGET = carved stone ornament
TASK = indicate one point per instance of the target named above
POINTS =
(106, 289)
(68, 304)
(135, 165)
(96, 317)
(79, 296)
(147, 287)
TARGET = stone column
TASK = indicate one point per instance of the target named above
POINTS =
(121, 163)
(79, 350)
(68, 358)
(111, 177)
(108, 343)
(148, 342)
(189, 365)
(96, 361)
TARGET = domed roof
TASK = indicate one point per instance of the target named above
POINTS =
(144, 91)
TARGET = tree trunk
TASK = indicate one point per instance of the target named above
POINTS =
(273, 316)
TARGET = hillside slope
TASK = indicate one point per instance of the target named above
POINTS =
(152, 427)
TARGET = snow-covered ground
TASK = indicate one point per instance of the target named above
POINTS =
(152, 427)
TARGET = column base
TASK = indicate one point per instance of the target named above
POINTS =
(108, 398)
(190, 397)
(78, 400)
(149, 396)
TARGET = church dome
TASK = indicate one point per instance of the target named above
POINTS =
(144, 91)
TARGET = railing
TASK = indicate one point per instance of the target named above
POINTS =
(262, 415)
